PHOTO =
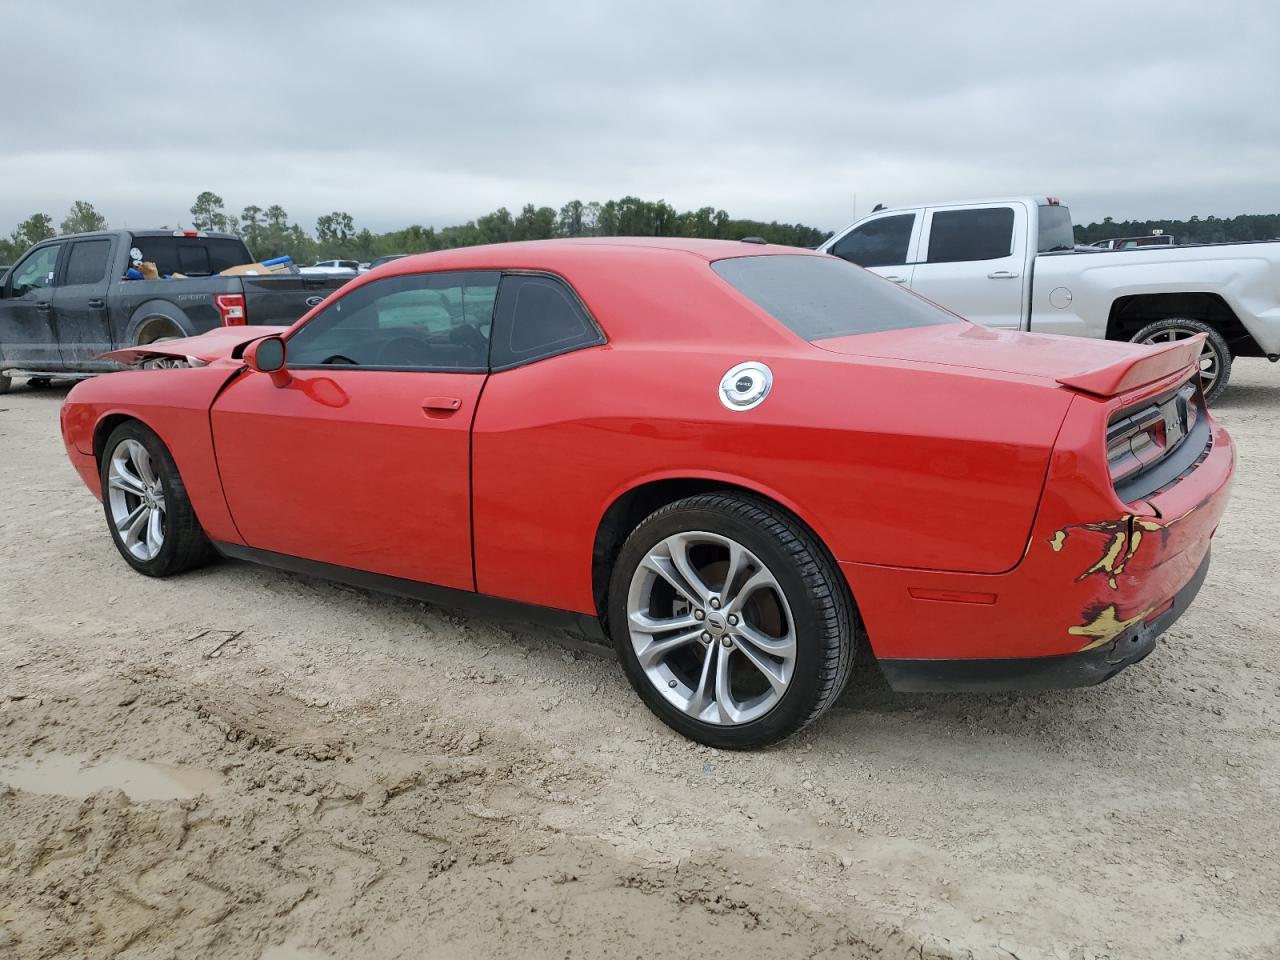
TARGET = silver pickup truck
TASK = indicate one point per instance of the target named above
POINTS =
(1013, 263)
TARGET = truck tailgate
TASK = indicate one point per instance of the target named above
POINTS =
(283, 298)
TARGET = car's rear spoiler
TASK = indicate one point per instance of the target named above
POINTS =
(1153, 363)
(218, 344)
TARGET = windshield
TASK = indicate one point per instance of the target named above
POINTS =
(1055, 229)
(818, 297)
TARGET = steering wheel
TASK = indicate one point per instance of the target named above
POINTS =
(468, 336)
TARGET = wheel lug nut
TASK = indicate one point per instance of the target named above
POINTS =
(725, 642)
(699, 615)
(671, 683)
(706, 636)
(715, 603)
(733, 619)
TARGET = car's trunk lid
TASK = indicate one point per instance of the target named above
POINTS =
(1099, 367)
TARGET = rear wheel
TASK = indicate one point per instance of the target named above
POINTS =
(39, 383)
(148, 512)
(5, 383)
(1215, 357)
(732, 623)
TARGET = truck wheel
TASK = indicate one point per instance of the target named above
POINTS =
(1215, 358)
(732, 623)
(5, 383)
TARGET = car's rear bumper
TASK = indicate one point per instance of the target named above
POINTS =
(1099, 580)
(1082, 669)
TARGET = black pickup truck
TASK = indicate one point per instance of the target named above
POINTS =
(68, 300)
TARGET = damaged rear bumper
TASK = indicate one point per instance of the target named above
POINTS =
(1083, 669)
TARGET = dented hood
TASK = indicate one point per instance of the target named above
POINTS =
(219, 344)
(1100, 367)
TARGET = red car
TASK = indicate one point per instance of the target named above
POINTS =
(742, 462)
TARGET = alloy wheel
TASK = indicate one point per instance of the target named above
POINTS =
(136, 499)
(711, 628)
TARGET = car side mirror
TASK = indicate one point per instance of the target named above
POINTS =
(268, 356)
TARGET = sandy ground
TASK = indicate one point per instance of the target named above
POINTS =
(357, 776)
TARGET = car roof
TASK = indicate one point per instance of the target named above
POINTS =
(554, 255)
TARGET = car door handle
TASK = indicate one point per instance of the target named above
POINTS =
(441, 404)
(1002, 275)
(43, 306)
(896, 279)
(97, 303)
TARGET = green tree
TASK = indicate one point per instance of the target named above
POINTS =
(572, 220)
(83, 218)
(252, 228)
(37, 227)
(207, 213)
(334, 231)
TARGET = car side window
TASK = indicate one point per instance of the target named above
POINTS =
(538, 316)
(878, 243)
(424, 321)
(36, 271)
(87, 263)
(985, 233)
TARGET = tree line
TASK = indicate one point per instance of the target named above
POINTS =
(269, 232)
(1249, 226)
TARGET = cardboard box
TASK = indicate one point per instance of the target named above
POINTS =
(253, 270)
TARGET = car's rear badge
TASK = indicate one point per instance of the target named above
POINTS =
(746, 385)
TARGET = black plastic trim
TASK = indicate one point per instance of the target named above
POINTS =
(1083, 669)
(470, 601)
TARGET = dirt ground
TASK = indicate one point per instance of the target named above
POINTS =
(245, 763)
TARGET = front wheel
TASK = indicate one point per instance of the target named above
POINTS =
(148, 512)
(732, 622)
(5, 383)
(1215, 357)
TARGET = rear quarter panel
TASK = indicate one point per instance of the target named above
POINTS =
(173, 403)
(888, 464)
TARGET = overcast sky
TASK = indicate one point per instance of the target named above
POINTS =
(431, 113)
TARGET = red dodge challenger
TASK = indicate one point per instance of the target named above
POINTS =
(741, 462)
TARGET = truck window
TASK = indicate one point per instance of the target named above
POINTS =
(87, 262)
(1055, 229)
(985, 233)
(878, 243)
(194, 256)
(820, 297)
(36, 271)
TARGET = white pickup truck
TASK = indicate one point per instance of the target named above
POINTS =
(1013, 263)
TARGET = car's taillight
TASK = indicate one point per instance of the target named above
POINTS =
(231, 309)
(1141, 437)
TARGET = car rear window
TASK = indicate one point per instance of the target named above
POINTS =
(193, 256)
(819, 297)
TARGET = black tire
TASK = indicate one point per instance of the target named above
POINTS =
(184, 545)
(5, 383)
(825, 620)
(39, 383)
(1178, 328)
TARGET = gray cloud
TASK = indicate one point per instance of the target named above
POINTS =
(435, 113)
